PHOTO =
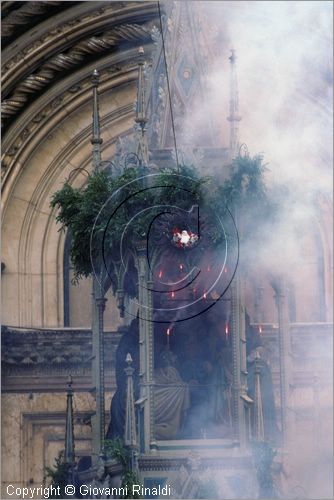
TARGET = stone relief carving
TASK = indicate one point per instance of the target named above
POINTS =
(33, 350)
(61, 28)
(23, 15)
(20, 140)
(65, 61)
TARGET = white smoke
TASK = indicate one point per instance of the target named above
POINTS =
(284, 67)
(284, 70)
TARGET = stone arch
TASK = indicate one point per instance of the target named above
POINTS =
(33, 280)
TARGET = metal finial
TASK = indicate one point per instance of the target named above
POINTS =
(233, 56)
(95, 77)
(128, 359)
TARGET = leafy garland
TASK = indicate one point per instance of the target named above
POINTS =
(58, 475)
(114, 448)
(80, 209)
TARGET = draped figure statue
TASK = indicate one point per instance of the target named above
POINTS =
(255, 354)
(129, 343)
(171, 397)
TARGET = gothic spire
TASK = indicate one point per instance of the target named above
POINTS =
(141, 118)
(130, 434)
(96, 138)
(69, 432)
(234, 116)
(258, 409)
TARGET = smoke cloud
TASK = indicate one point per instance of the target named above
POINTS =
(284, 67)
(285, 84)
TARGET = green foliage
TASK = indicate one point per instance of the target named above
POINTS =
(246, 183)
(58, 475)
(115, 449)
(98, 214)
(120, 199)
(263, 456)
(128, 480)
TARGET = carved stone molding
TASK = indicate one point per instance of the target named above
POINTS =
(64, 30)
(39, 430)
(65, 61)
(40, 360)
(63, 98)
(23, 16)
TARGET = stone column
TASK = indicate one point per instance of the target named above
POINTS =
(258, 432)
(146, 361)
(258, 313)
(69, 457)
(98, 421)
(239, 381)
(280, 288)
(130, 434)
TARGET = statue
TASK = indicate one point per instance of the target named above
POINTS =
(129, 343)
(220, 382)
(255, 355)
(206, 366)
(171, 397)
(171, 392)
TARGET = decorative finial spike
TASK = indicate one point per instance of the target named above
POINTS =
(96, 139)
(69, 456)
(234, 116)
(130, 432)
(141, 118)
(233, 56)
(95, 78)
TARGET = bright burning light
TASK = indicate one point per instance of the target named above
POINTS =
(185, 237)
(160, 274)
